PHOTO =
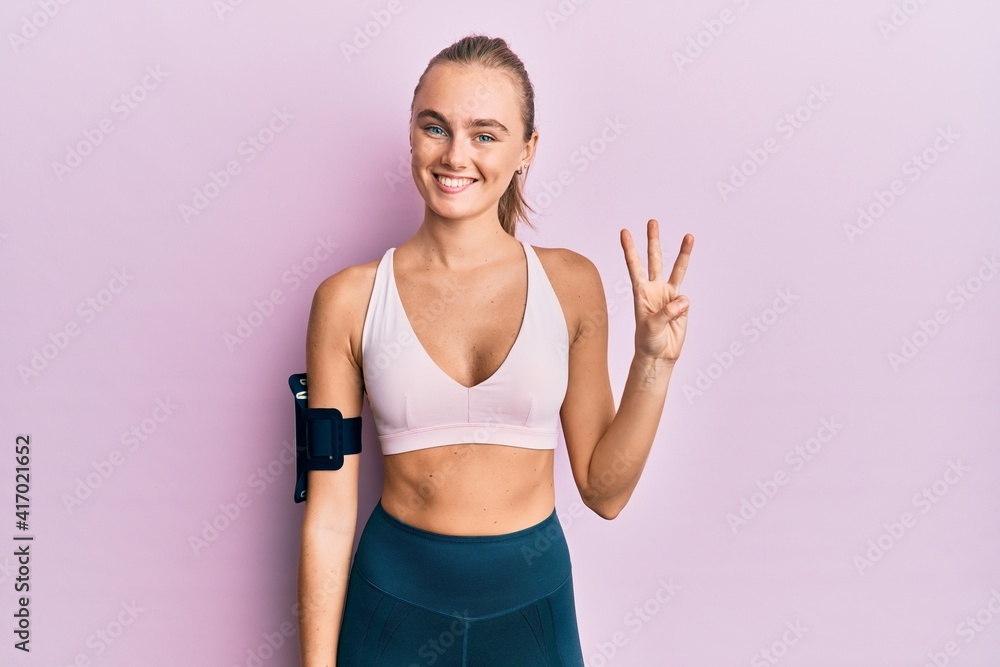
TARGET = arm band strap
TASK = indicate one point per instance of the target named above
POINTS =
(322, 436)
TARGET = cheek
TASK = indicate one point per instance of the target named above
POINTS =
(503, 166)
(508, 159)
(423, 151)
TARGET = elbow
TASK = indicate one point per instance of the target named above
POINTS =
(602, 500)
(609, 513)
(603, 508)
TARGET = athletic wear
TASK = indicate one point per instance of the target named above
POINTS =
(418, 598)
(417, 405)
(322, 436)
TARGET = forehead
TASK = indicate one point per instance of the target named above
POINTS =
(468, 91)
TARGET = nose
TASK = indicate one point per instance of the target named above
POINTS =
(455, 155)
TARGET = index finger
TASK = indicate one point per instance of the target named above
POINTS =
(632, 260)
(681, 263)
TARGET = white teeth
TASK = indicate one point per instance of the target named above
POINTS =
(454, 182)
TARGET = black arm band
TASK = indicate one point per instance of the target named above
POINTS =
(322, 436)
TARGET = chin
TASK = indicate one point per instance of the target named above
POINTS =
(455, 212)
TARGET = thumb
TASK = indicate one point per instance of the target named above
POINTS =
(678, 306)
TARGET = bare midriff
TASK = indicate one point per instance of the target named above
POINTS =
(470, 489)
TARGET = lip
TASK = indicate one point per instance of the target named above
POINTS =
(450, 190)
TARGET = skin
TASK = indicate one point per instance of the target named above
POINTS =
(462, 282)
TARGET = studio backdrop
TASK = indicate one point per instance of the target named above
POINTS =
(177, 178)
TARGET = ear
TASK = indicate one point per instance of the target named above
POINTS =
(528, 152)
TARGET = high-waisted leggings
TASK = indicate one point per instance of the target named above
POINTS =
(419, 598)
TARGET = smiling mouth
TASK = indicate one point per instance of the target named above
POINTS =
(453, 182)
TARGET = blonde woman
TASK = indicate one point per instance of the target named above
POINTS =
(471, 347)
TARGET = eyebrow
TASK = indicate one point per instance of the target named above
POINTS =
(478, 122)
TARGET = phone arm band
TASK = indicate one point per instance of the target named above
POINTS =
(322, 436)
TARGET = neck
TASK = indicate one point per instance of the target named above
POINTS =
(459, 245)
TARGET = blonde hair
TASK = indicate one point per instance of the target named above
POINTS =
(493, 53)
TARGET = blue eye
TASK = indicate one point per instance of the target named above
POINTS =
(431, 128)
(486, 136)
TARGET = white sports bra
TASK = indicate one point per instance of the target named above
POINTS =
(417, 405)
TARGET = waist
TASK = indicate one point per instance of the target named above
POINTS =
(469, 576)
(470, 489)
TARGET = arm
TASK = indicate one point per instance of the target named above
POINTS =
(328, 523)
(608, 449)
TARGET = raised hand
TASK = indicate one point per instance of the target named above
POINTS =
(660, 309)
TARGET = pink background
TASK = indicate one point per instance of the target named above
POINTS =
(329, 176)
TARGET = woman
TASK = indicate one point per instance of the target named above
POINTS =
(471, 345)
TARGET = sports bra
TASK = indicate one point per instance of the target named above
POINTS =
(416, 405)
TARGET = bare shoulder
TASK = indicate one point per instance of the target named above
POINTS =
(569, 269)
(576, 282)
(349, 286)
(341, 302)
